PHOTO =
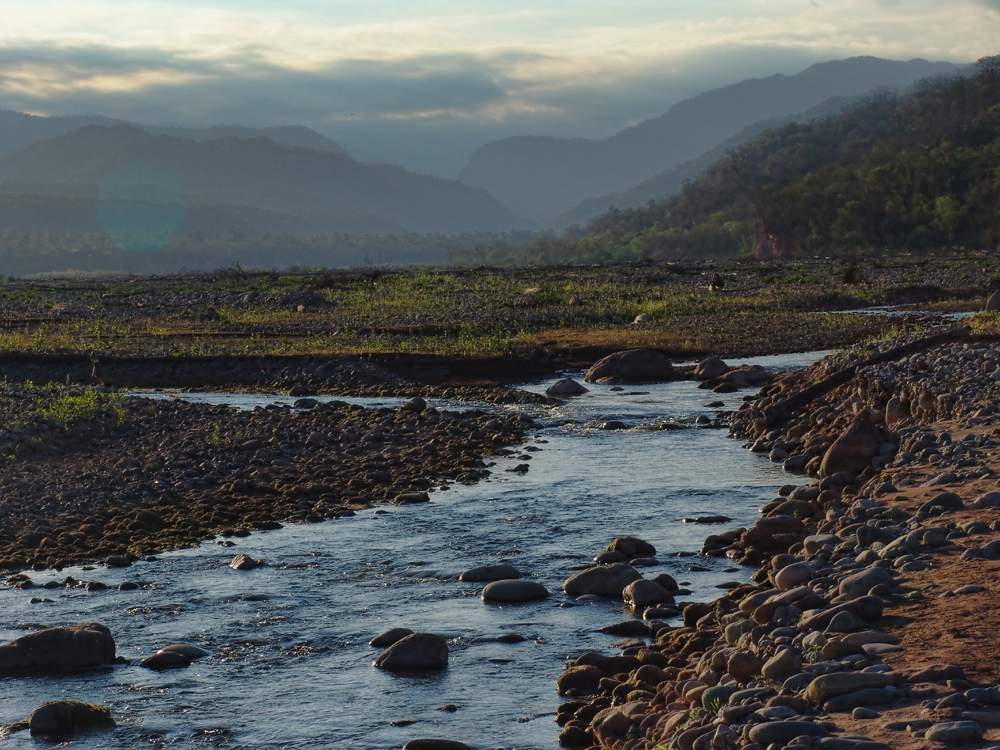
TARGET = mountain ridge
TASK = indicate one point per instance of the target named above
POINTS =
(255, 172)
(19, 130)
(539, 176)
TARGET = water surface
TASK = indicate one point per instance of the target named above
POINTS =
(291, 667)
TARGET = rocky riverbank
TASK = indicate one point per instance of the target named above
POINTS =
(88, 475)
(870, 620)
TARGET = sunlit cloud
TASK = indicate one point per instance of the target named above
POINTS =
(582, 68)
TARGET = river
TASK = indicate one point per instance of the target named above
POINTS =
(290, 664)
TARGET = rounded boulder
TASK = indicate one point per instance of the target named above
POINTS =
(514, 590)
(417, 651)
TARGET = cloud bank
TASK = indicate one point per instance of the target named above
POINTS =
(431, 78)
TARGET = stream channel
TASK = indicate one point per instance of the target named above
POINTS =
(291, 666)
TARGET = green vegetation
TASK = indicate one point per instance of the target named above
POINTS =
(764, 307)
(891, 174)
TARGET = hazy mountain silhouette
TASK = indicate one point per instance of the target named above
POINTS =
(124, 162)
(18, 130)
(670, 182)
(541, 176)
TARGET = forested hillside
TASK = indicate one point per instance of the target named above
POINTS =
(914, 173)
(541, 177)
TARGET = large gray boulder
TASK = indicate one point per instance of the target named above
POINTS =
(604, 580)
(415, 652)
(632, 366)
(56, 649)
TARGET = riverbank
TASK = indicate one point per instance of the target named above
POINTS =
(343, 330)
(870, 619)
(88, 476)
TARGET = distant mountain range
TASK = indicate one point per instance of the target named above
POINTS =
(541, 177)
(670, 182)
(18, 130)
(313, 187)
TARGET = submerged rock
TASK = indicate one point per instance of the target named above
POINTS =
(566, 387)
(69, 717)
(415, 652)
(243, 562)
(514, 591)
(500, 572)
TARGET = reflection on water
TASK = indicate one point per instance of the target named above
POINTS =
(291, 666)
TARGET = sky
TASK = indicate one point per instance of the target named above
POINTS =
(424, 82)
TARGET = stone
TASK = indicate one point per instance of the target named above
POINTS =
(793, 575)
(861, 713)
(566, 387)
(641, 593)
(186, 649)
(514, 590)
(642, 318)
(579, 680)
(743, 665)
(632, 366)
(782, 665)
(427, 744)
(165, 660)
(972, 588)
(859, 584)
(55, 649)
(895, 411)
(606, 558)
(866, 607)
(605, 580)
(954, 731)
(502, 572)
(417, 651)
(411, 498)
(710, 368)
(389, 637)
(831, 685)
(845, 622)
(415, 404)
(243, 562)
(69, 717)
(987, 500)
(631, 546)
(853, 450)
(782, 732)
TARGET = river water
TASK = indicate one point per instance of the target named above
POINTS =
(291, 667)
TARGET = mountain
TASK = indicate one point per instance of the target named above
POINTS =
(892, 173)
(124, 162)
(670, 182)
(18, 130)
(539, 177)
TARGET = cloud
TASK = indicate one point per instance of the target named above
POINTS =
(452, 75)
